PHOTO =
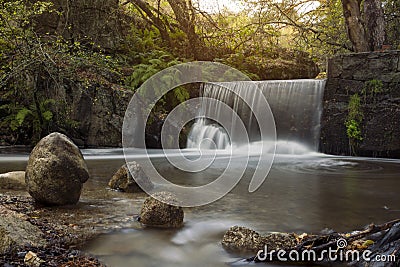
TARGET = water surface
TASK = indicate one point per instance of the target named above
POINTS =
(303, 193)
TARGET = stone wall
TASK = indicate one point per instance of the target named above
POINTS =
(380, 127)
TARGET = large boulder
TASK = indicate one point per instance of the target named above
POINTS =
(56, 171)
(159, 214)
(13, 180)
(125, 180)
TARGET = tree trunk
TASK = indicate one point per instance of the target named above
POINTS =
(374, 23)
(184, 13)
(365, 23)
(355, 27)
(155, 20)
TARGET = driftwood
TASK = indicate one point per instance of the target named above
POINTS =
(383, 239)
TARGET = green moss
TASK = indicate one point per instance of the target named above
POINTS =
(353, 122)
(372, 88)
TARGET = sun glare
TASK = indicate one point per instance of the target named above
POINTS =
(215, 6)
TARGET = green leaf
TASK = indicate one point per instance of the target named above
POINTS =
(47, 115)
(20, 118)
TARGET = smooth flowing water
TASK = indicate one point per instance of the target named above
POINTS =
(302, 194)
(296, 106)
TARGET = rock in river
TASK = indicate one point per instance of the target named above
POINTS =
(239, 238)
(242, 239)
(56, 171)
(125, 181)
(159, 214)
(13, 180)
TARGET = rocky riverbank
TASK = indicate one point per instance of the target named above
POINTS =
(50, 236)
(46, 216)
(57, 233)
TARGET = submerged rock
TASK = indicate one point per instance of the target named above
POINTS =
(13, 180)
(16, 232)
(125, 180)
(159, 214)
(243, 239)
(56, 171)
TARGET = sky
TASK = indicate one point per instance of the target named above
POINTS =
(213, 6)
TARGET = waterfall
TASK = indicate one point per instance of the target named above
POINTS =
(295, 104)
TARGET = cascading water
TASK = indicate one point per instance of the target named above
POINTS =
(202, 130)
(295, 104)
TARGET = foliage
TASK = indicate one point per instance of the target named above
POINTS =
(392, 14)
(252, 34)
(34, 119)
(140, 42)
(325, 33)
(372, 88)
(147, 53)
(35, 68)
(353, 122)
(152, 63)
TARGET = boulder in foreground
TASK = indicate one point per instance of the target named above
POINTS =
(56, 171)
(159, 214)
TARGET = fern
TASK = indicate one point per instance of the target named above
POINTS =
(181, 94)
(47, 115)
(28, 117)
(20, 118)
(153, 63)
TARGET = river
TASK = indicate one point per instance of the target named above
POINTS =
(303, 193)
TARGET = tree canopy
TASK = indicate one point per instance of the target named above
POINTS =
(45, 45)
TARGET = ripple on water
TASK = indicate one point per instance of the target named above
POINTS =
(337, 166)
